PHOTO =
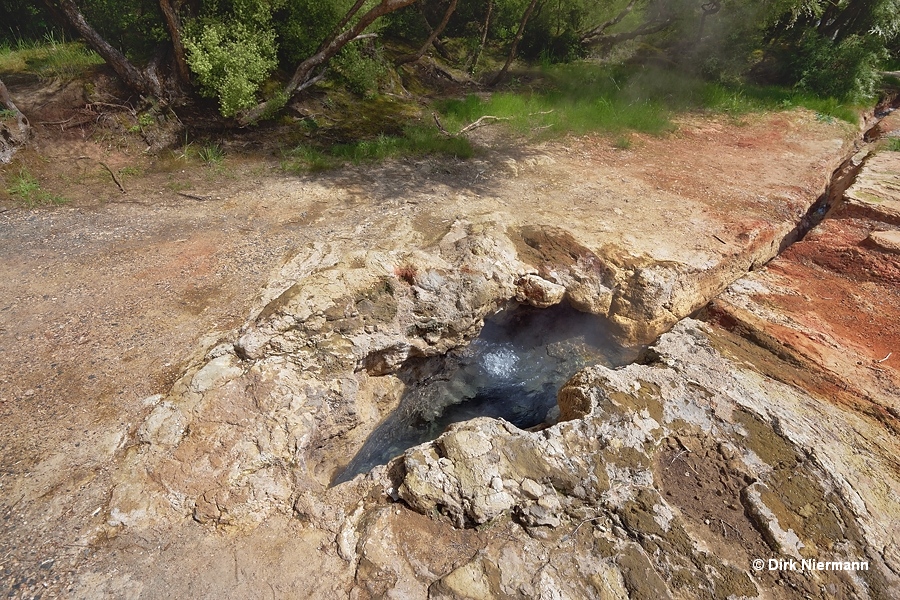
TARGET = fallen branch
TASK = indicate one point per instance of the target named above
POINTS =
(480, 122)
(116, 179)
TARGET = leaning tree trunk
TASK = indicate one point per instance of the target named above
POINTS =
(11, 140)
(515, 45)
(472, 63)
(408, 58)
(173, 23)
(304, 73)
(126, 71)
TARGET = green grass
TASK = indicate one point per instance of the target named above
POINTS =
(893, 144)
(27, 189)
(211, 154)
(50, 57)
(414, 141)
(587, 97)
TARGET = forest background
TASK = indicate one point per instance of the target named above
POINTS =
(249, 60)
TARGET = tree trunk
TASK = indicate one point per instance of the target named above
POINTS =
(515, 45)
(173, 23)
(473, 63)
(129, 74)
(10, 141)
(328, 50)
(408, 58)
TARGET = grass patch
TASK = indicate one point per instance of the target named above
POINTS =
(211, 154)
(893, 144)
(27, 189)
(588, 97)
(414, 141)
(50, 57)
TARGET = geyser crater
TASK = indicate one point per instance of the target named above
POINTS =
(512, 370)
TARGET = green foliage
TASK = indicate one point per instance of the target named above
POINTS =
(27, 189)
(232, 54)
(306, 159)
(584, 97)
(211, 154)
(622, 143)
(361, 74)
(847, 69)
(301, 26)
(893, 144)
(577, 98)
(134, 26)
(833, 48)
(552, 34)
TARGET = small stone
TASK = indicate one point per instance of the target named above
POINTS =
(496, 484)
(550, 502)
(538, 291)
(536, 515)
(532, 488)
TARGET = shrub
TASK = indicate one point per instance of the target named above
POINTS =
(361, 74)
(231, 57)
(848, 69)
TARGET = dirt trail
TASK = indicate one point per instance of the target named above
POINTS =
(106, 301)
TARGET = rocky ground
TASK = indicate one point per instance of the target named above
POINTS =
(185, 367)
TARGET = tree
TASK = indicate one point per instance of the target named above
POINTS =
(153, 79)
(432, 37)
(831, 47)
(515, 43)
(11, 139)
(304, 74)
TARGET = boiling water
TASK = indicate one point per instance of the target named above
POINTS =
(512, 371)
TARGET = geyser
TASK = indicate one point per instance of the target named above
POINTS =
(512, 370)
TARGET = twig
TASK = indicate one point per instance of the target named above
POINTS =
(439, 125)
(720, 239)
(725, 531)
(194, 197)
(577, 527)
(90, 105)
(56, 122)
(116, 179)
(885, 358)
(481, 122)
(543, 112)
(677, 456)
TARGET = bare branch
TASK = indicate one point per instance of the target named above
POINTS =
(599, 29)
(480, 122)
